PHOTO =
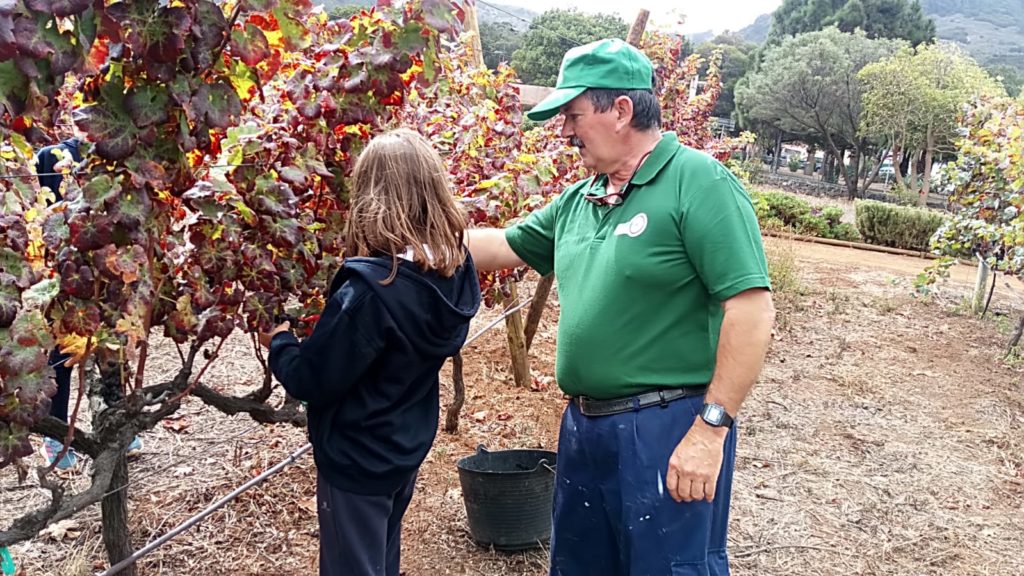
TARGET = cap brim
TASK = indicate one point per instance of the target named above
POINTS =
(549, 106)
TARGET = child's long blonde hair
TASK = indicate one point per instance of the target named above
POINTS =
(401, 200)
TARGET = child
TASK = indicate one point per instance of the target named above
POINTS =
(51, 177)
(399, 306)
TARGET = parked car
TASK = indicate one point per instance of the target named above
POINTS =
(887, 170)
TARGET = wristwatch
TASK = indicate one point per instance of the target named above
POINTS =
(715, 415)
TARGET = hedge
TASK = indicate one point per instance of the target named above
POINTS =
(781, 211)
(897, 226)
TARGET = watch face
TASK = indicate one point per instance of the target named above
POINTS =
(713, 413)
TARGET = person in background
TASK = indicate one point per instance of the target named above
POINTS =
(398, 308)
(50, 162)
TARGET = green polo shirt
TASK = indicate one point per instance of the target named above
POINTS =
(641, 284)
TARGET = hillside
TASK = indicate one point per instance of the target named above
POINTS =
(514, 17)
(990, 30)
(758, 31)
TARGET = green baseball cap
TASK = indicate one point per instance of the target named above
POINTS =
(609, 63)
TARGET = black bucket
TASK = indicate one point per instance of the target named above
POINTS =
(508, 496)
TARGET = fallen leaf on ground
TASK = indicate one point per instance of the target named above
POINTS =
(62, 530)
(178, 425)
(309, 505)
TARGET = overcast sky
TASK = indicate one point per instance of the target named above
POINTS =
(700, 15)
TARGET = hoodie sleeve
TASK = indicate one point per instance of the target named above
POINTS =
(323, 367)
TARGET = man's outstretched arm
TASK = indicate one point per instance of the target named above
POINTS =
(491, 250)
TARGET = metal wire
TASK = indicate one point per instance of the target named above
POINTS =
(97, 172)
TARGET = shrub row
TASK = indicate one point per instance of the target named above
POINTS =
(785, 212)
(897, 226)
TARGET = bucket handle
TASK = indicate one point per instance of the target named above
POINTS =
(481, 449)
(544, 463)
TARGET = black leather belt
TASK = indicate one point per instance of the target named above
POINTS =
(593, 407)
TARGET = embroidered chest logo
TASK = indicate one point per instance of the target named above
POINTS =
(635, 227)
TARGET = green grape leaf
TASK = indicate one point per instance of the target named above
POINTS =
(111, 129)
(100, 189)
(10, 300)
(208, 30)
(148, 104)
(259, 310)
(295, 34)
(259, 5)
(29, 35)
(59, 8)
(216, 104)
(40, 294)
(250, 45)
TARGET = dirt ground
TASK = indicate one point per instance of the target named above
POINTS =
(885, 437)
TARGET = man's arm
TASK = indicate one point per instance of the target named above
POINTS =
(743, 343)
(491, 250)
(742, 346)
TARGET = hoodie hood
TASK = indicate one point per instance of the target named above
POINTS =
(431, 312)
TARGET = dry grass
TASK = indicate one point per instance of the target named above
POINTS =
(785, 275)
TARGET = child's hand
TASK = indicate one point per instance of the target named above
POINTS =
(266, 338)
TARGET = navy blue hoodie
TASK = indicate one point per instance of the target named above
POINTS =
(369, 370)
(46, 160)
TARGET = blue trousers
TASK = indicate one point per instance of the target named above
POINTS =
(361, 535)
(613, 515)
(59, 402)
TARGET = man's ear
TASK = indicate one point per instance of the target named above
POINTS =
(623, 107)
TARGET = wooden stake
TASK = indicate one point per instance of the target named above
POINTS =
(517, 341)
(540, 300)
(636, 31)
(980, 283)
(472, 26)
(451, 418)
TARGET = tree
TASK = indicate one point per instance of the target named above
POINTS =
(552, 34)
(896, 19)
(912, 101)
(737, 57)
(499, 41)
(685, 110)
(809, 85)
(1012, 78)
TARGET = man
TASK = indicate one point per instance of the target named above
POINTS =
(665, 320)
(49, 162)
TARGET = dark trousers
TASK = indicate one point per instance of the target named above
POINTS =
(361, 535)
(613, 514)
(59, 402)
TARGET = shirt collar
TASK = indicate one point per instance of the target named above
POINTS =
(662, 153)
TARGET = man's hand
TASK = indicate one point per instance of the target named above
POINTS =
(695, 464)
(266, 338)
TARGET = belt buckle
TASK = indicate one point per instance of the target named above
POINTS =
(581, 403)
